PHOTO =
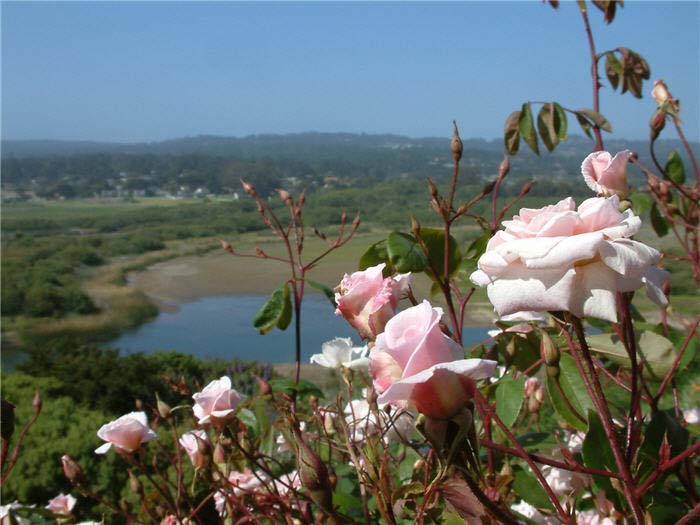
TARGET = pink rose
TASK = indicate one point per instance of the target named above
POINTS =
(170, 520)
(62, 504)
(607, 175)
(414, 363)
(126, 433)
(367, 300)
(247, 481)
(195, 443)
(557, 258)
(217, 401)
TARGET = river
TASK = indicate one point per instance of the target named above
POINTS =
(222, 327)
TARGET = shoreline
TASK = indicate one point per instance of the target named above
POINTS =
(181, 280)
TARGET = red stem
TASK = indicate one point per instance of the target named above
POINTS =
(594, 77)
(671, 373)
(693, 161)
(575, 467)
(486, 413)
(595, 390)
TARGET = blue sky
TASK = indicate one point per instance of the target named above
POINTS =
(132, 71)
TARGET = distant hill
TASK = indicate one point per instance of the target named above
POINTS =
(296, 145)
(68, 169)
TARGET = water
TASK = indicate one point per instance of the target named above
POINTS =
(222, 327)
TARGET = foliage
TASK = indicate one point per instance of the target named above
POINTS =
(64, 427)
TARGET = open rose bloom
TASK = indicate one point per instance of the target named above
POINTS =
(194, 444)
(560, 258)
(340, 352)
(607, 175)
(126, 433)
(414, 364)
(217, 401)
(367, 300)
(62, 504)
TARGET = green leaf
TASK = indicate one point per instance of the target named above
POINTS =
(560, 122)
(674, 168)
(574, 391)
(664, 508)
(597, 453)
(249, 420)
(537, 440)
(613, 69)
(277, 311)
(545, 126)
(658, 221)
(327, 291)
(303, 388)
(655, 351)
(511, 134)
(585, 125)
(475, 250)
(375, 254)
(405, 253)
(526, 126)
(528, 488)
(641, 203)
(510, 394)
(434, 240)
(596, 118)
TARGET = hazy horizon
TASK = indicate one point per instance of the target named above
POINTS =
(147, 72)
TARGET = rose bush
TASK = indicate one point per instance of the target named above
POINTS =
(367, 300)
(126, 433)
(560, 258)
(413, 363)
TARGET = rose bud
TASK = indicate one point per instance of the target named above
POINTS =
(607, 175)
(456, 143)
(71, 469)
(660, 92)
(548, 349)
(313, 474)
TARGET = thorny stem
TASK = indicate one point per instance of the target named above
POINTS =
(690, 517)
(502, 172)
(595, 390)
(494, 509)
(576, 467)
(486, 413)
(89, 494)
(672, 372)
(18, 446)
(166, 496)
(662, 467)
(594, 76)
(445, 285)
(693, 160)
(630, 344)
